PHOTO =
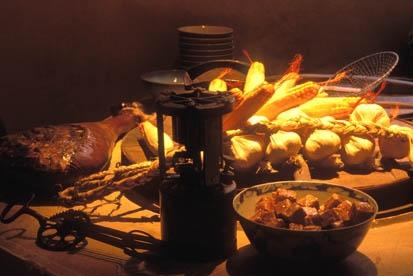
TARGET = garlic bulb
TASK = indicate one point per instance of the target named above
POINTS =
(291, 114)
(246, 150)
(394, 147)
(357, 151)
(327, 119)
(321, 144)
(296, 114)
(282, 146)
(330, 162)
(370, 113)
(150, 134)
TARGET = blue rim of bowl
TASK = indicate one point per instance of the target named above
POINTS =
(376, 208)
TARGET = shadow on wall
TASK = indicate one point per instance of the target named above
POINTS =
(70, 61)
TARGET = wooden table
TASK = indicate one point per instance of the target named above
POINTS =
(387, 250)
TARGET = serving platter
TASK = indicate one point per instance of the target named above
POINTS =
(390, 185)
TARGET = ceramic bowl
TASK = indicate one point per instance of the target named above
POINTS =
(298, 245)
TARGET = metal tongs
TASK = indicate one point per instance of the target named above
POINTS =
(67, 231)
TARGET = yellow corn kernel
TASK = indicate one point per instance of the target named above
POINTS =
(291, 98)
(337, 107)
(250, 103)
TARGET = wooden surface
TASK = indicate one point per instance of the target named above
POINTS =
(394, 180)
(386, 250)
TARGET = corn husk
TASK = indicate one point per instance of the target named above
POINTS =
(322, 93)
(238, 97)
(217, 85)
(255, 119)
(321, 144)
(282, 146)
(293, 97)
(250, 103)
(150, 135)
(337, 107)
(246, 151)
(255, 77)
(370, 113)
(282, 86)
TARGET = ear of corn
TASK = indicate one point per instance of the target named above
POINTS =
(217, 85)
(337, 107)
(255, 77)
(280, 89)
(322, 92)
(250, 103)
(291, 98)
(150, 135)
(284, 84)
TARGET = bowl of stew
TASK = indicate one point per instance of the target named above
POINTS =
(305, 221)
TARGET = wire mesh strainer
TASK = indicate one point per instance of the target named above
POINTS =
(364, 74)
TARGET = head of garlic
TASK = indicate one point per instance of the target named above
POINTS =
(396, 147)
(330, 162)
(357, 151)
(295, 114)
(283, 145)
(291, 114)
(370, 113)
(246, 151)
(321, 144)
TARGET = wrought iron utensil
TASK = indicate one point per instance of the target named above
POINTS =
(364, 74)
(68, 231)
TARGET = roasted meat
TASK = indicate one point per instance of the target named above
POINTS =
(38, 159)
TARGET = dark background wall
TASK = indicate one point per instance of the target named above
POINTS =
(68, 61)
